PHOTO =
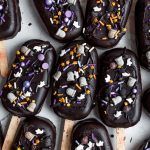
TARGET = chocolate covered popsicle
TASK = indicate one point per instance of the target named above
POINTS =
(62, 18)
(10, 19)
(10, 25)
(105, 22)
(142, 24)
(29, 80)
(145, 145)
(1, 137)
(75, 81)
(90, 135)
(35, 133)
(120, 88)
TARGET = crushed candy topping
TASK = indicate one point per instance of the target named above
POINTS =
(62, 15)
(73, 76)
(3, 10)
(120, 88)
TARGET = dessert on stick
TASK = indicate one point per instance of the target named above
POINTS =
(35, 133)
(142, 26)
(119, 98)
(75, 85)
(90, 134)
(62, 18)
(29, 80)
(10, 25)
(105, 22)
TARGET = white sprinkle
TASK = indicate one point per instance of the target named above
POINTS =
(39, 131)
(91, 49)
(84, 44)
(118, 114)
(129, 62)
(130, 100)
(107, 79)
(97, 9)
(51, 20)
(15, 86)
(83, 30)
(87, 47)
(76, 24)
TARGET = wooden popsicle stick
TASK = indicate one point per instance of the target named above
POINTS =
(120, 139)
(11, 132)
(3, 60)
(66, 139)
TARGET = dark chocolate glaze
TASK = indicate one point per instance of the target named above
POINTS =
(119, 97)
(1, 137)
(79, 103)
(145, 145)
(142, 25)
(98, 23)
(29, 80)
(146, 100)
(54, 17)
(10, 19)
(35, 133)
(90, 131)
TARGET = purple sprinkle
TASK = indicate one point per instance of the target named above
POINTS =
(66, 19)
(26, 84)
(22, 64)
(31, 74)
(48, 2)
(27, 63)
(45, 66)
(134, 91)
(41, 57)
(68, 13)
(1, 7)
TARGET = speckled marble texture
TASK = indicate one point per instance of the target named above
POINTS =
(32, 27)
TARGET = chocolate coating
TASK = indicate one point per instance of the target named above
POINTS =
(75, 81)
(105, 22)
(146, 100)
(1, 138)
(145, 145)
(63, 18)
(120, 88)
(142, 25)
(10, 19)
(90, 132)
(36, 133)
(29, 80)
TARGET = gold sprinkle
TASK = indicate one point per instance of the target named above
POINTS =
(75, 62)
(126, 103)
(18, 52)
(65, 29)
(62, 64)
(101, 23)
(59, 13)
(67, 62)
(68, 105)
(62, 100)
(90, 76)
(92, 67)
(22, 58)
(78, 87)
(59, 95)
(88, 92)
(111, 81)
(71, 52)
(85, 67)
(55, 93)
